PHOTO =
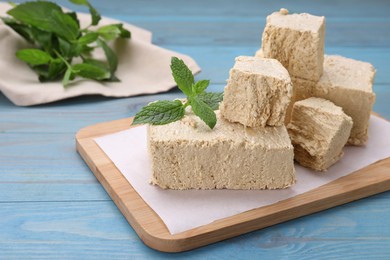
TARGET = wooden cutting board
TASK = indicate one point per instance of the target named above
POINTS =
(368, 181)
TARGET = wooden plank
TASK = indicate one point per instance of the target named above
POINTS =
(50, 156)
(230, 8)
(94, 229)
(44, 171)
(346, 26)
(97, 230)
(216, 61)
(247, 33)
(44, 167)
(74, 117)
(67, 116)
(56, 191)
(150, 228)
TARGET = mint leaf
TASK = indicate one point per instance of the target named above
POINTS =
(202, 110)
(43, 40)
(94, 13)
(182, 76)
(203, 104)
(90, 71)
(67, 76)
(113, 31)
(34, 13)
(74, 17)
(22, 29)
(13, 4)
(97, 63)
(110, 55)
(66, 48)
(86, 51)
(69, 50)
(160, 113)
(58, 34)
(79, 2)
(34, 57)
(64, 25)
(96, 17)
(212, 99)
(88, 38)
(103, 66)
(124, 32)
(46, 16)
(200, 86)
(54, 70)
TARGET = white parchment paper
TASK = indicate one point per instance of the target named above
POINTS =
(183, 210)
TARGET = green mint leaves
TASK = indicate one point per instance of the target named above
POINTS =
(182, 76)
(204, 111)
(34, 56)
(58, 40)
(211, 99)
(161, 113)
(203, 103)
(94, 13)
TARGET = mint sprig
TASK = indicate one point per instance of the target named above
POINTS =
(161, 112)
(212, 99)
(204, 111)
(58, 40)
(203, 103)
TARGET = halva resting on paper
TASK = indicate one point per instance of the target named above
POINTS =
(189, 155)
(347, 83)
(297, 41)
(319, 130)
(257, 93)
(324, 100)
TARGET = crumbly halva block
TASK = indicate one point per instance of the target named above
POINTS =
(259, 53)
(258, 92)
(187, 154)
(302, 89)
(297, 41)
(347, 83)
(318, 130)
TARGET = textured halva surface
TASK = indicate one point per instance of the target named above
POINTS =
(297, 41)
(318, 130)
(347, 83)
(259, 53)
(188, 155)
(302, 89)
(258, 92)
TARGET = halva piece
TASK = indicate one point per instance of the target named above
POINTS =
(187, 154)
(347, 83)
(258, 92)
(318, 130)
(297, 41)
(302, 89)
(259, 53)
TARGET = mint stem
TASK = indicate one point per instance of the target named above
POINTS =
(187, 104)
(63, 59)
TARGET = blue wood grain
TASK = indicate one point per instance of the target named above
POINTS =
(36, 170)
(348, 24)
(51, 205)
(85, 234)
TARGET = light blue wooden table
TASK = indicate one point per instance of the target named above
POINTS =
(51, 205)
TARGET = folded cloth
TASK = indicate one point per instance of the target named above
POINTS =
(143, 68)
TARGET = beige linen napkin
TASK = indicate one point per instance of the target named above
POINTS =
(143, 69)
